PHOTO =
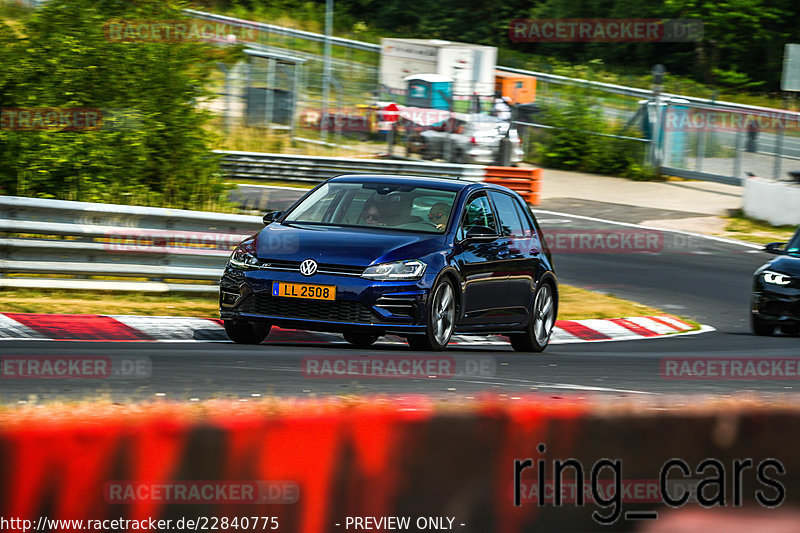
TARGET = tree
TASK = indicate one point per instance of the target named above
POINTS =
(152, 148)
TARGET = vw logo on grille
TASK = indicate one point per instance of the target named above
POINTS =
(308, 267)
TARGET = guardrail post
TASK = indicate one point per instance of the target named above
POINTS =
(776, 169)
(737, 156)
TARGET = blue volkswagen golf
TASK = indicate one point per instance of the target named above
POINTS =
(423, 258)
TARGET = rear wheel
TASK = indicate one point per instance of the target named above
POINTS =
(441, 319)
(244, 332)
(540, 325)
(793, 330)
(360, 340)
(761, 326)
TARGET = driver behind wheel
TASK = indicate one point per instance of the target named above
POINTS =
(438, 215)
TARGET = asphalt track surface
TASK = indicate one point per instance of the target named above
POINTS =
(703, 279)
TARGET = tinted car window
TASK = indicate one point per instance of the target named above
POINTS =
(507, 214)
(522, 211)
(477, 212)
(376, 205)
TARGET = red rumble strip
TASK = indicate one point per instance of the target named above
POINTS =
(131, 328)
(80, 327)
(669, 324)
(581, 331)
(634, 327)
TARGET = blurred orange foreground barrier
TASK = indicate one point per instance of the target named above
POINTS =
(526, 181)
(309, 466)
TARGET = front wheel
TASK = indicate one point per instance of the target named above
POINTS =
(761, 326)
(441, 319)
(540, 325)
(244, 332)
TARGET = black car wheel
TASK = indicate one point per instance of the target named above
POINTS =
(441, 319)
(540, 325)
(243, 332)
(793, 330)
(360, 340)
(761, 326)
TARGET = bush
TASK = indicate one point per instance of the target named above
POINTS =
(152, 151)
(574, 143)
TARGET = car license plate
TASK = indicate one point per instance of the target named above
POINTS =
(304, 290)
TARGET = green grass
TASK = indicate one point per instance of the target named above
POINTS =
(575, 303)
(758, 231)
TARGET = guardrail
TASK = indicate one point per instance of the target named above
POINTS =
(282, 30)
(87, 246)
(63, 244)
(315, 169)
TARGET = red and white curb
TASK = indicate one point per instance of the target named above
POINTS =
(116, 328)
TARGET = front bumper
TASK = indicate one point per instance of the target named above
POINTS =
(379, 306)
(776, 303)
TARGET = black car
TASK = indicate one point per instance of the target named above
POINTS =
(422, 258)
(776, 290)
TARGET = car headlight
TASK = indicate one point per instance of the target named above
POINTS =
(244, 256)
(776, 278)
(396, 271)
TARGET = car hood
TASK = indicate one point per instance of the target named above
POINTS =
(785, 264)
(343, 246)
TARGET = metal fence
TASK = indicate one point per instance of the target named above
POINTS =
(696, 138)
(285, 63)
(725, 144)
(714, 154)
(77, 245)
(87, 246)
(258, 88)
(314, 169)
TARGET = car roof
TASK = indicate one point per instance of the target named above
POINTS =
(447, 184)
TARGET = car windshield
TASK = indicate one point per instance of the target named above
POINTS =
(793, 248)
(376, 205)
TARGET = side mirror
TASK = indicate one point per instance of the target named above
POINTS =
(478, 232)
(271, 217)
(775, 248)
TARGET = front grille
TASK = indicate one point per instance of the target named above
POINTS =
(336, 311)
(323, 268)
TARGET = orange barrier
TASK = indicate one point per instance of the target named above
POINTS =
(370, 458)
(526, 181)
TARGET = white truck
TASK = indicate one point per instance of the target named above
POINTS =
(471, 66)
